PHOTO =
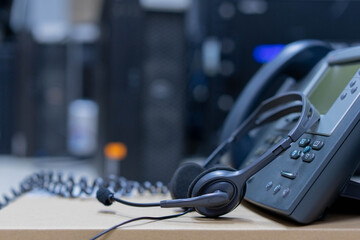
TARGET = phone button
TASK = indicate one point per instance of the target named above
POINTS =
(277, 189)
(295, 154)
(308, 157)
(287, 174)
(317, 144)
(304, 142)
(353, 90)
(286, 192)
(343, 96)
(352, 83)
(307, 149)
(269, 186)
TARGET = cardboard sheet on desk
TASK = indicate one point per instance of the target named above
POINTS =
(58, 218)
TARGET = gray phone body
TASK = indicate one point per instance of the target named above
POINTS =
(305, 179)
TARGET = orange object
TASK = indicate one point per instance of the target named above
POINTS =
(115, 151)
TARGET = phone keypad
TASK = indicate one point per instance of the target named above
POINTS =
(305, 149)
(306, 154)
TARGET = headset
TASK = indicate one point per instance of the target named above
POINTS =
(215, 191)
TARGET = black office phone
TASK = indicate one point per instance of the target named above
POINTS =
(306, 179)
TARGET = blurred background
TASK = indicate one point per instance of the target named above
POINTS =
(86, 83)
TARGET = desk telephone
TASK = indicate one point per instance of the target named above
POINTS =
(305, 179)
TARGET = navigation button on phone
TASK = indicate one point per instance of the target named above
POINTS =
(287, 174)
(308, 157)
(317, 144)
(295, 154)
(304, 142)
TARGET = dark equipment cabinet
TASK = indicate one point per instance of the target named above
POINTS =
(41, 103)
(7, 73)
(143, 84)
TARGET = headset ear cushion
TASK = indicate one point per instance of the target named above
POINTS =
(182, 179)
(192, 184)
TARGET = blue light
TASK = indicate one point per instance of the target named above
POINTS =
(266, 52)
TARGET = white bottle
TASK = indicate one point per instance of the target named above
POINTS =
(82, 128)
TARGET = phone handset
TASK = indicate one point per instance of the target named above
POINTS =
(295, 61)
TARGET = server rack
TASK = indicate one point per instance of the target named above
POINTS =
(143, 73)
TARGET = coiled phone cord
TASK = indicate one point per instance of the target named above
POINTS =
(69, 187)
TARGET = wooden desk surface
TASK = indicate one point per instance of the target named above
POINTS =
(34, 217)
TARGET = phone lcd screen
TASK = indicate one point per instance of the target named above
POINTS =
(331, 84)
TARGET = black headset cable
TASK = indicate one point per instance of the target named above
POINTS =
(143, 218)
